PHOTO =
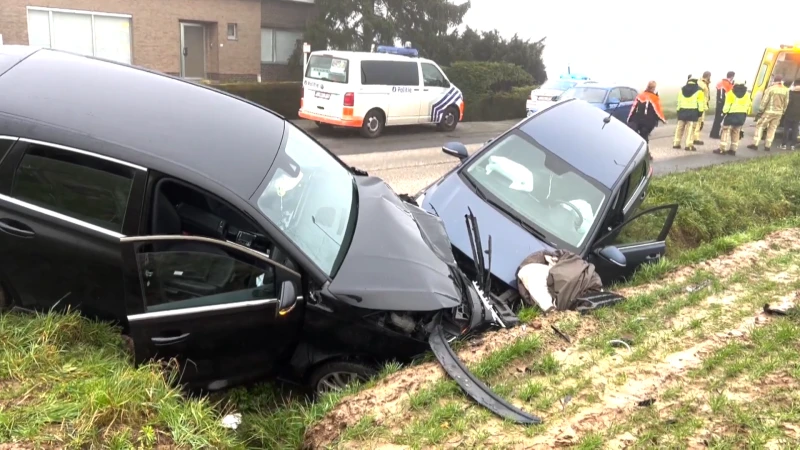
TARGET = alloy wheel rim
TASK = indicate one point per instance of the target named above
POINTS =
(372, 124)
(449, 119)
(337, 381)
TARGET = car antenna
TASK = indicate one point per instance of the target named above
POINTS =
(607, 119)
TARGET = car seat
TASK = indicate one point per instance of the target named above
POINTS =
(179, 273)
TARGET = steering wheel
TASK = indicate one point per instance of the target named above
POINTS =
(574, 209)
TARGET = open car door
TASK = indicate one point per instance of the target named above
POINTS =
(639, 240)
(225, 312)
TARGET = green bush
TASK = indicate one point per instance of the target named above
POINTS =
(478, 78)
(722, 200)
(283, 98)
(497, 106)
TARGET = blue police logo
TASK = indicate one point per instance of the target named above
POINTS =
(394, 88)
(322, 86)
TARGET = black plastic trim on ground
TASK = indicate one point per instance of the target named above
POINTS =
(473, 387)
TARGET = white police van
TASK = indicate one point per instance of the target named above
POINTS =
(370, 91)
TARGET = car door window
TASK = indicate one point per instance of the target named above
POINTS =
(83, 187)
(615, 93)
(634, 180)
(178, 275)
(627, 95)
(432, 77)
(651, 225)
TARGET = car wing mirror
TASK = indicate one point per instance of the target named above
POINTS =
(456, 149)
(613, 255)
(288, 298)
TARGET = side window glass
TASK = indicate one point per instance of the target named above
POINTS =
(389, 73)
(406, 74)
(628, 95)
(83, 187)
(644, 228)
(761, 74)
(634, 180)
(432, 77)
(192, 275)
(615, 93)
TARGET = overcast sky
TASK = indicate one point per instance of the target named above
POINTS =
(629, 41)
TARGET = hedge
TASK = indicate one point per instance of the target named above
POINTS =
(283, 98)
(492, 91)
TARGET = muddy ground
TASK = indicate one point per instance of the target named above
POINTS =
(620, 382)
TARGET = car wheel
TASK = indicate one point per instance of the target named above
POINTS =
(449, 119)
(373, 124)
(337, 376)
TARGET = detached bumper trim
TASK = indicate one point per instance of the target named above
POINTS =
(471, 385)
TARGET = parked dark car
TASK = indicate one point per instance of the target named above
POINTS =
(210, 229)
(568, 177)
(613, 99)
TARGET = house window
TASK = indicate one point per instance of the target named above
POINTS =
(277, 46)
(233, 32)
(103, 35)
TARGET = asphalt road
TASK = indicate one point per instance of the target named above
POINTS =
(410, 159)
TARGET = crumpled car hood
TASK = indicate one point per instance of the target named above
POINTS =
(400, 258)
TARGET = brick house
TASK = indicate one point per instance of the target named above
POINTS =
(223, 40)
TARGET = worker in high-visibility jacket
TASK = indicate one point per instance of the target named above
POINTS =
(691, 105)
(723, 87)
(704, 84)
(770, 111)
(735, 110)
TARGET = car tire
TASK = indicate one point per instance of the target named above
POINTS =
(373, 124)
(324, 126)
(449, 119)
(336, 375)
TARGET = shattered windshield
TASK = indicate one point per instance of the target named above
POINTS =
(312, 198)
(539, 188)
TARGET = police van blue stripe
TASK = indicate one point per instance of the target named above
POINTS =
(452, 96)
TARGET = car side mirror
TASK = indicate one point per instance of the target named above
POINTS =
(613, 255)
(456, 149)
(613, 102)
(288, 298)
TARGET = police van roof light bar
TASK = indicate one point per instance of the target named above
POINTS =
(403, 51)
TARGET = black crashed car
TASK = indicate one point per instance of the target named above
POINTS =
(210, 229)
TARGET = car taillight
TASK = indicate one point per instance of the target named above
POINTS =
(349, 99)
(530, 96)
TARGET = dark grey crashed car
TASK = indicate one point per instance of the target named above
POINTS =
(212, 230)
(569, 177)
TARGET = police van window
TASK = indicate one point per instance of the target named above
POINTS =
(389, 73)
(86, 188)
(432, 77)
(327, 68)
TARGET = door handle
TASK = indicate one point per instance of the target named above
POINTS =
(652, 257)
(7, 228)
(425, 90)
(185, 51)
(163, 341)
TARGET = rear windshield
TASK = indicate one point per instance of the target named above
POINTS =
(327, 68)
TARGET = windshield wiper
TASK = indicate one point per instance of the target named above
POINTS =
(482, 195)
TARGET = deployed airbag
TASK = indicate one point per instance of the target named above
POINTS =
(569, 278)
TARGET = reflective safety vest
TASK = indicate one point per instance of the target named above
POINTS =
(696, 101)
(736, 105)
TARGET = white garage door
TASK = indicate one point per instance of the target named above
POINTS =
(88, 33)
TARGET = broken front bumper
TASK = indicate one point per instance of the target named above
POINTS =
(471, 385)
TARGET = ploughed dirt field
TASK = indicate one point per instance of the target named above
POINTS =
(691, 361)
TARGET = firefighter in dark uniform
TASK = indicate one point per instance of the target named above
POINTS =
(723, 87)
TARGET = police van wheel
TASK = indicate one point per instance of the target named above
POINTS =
(449, 119)
(373, 124)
